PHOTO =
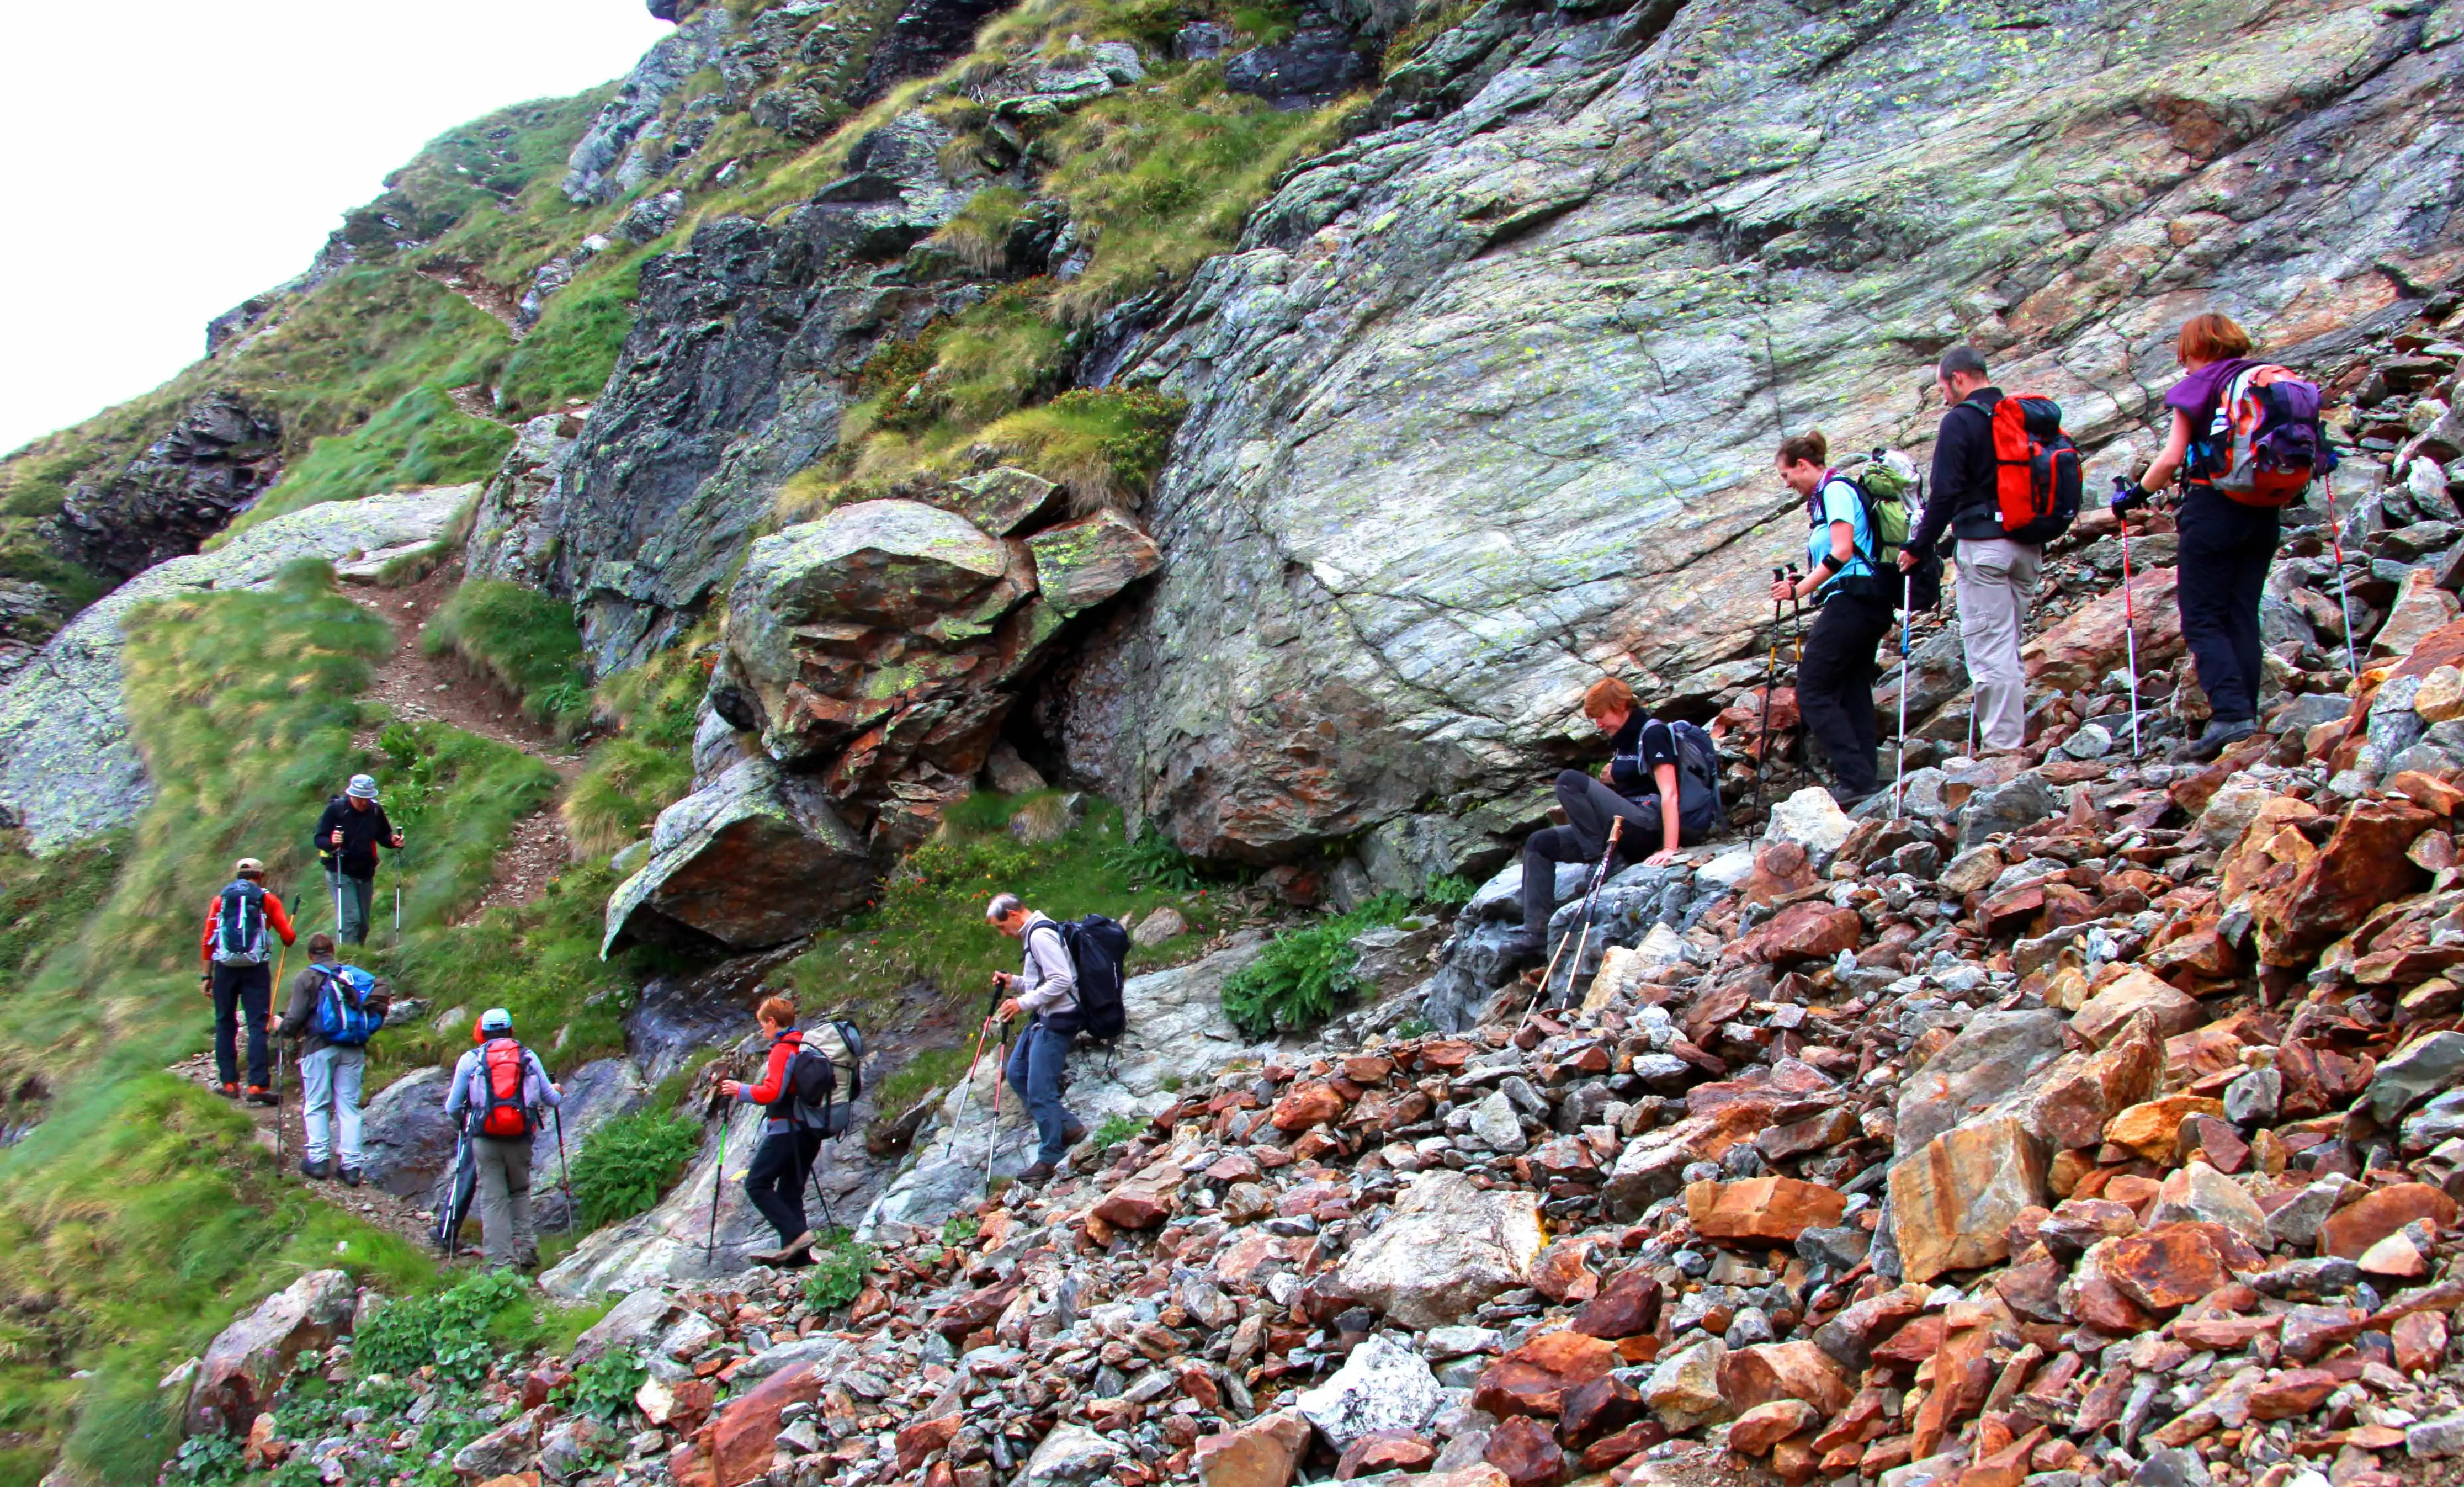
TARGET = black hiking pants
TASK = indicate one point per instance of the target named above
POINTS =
(2225, 551)
(1590, 806)
(1835, 685)
(241, 992)
(775, 1182)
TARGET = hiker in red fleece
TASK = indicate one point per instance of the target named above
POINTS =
(235, 947)
(789, 1146)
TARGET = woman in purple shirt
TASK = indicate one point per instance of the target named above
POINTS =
(2227, 546)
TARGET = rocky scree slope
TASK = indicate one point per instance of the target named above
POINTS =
(2095, 1120)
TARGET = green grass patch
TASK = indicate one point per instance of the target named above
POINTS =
(1304, 976)
(627, 1161)
(1114, 1129)
(933, 1068)
(421, 439)
(840, 1265)
(454, 796)
(44, 898)
(929, 922)
(524, 639)
(620, 792)
(362, 341)
(569, 353)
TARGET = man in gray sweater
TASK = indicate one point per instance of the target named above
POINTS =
(1045, 988)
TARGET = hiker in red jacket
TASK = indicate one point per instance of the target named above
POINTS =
(789, 1146)
(235, 948)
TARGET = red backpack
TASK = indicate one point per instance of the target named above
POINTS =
(2036, 470)
(503, 1065)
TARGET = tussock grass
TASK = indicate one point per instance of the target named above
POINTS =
(569, 353)
(524, 639)
(422, 439)
(623, 788)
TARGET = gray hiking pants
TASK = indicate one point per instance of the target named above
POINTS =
(505, 1200)
(1997, 581)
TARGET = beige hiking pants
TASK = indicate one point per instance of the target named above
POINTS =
(1997, 581)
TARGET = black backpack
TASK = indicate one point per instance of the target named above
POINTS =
(1099, 948)
(1697, 764)
(813, 1080)
(239, 925)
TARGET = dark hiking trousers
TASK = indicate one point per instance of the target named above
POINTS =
(2226, 550)
(1590, 806)
(1835, 685)
(775, 1182)
(241, 992)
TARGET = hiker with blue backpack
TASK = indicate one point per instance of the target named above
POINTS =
(1662, 780)
(2246, 443)
(240, 927)
(335, 1010)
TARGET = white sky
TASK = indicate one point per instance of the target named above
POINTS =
(173, 156)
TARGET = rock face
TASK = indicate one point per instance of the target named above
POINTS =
(66, 766)
(756, 860)
(1447, 502)
(250, 1357)
(214, 463)
(403, 1136)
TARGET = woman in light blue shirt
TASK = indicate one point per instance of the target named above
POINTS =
(1834, 679)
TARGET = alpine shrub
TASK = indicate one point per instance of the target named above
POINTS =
(604, 1387)
(839, 1268)
(626, 1162)
(1300, 979)
(447, 1329)
(1153, 858)
(1451, 891)
(1115, 1129)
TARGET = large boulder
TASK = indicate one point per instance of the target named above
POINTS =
(67, 768)
(1991, 1061)
(1450, 1246)
(1079, 564)
(757, 859)
(249, 1358)
(406, 1142)
(1952, 1203)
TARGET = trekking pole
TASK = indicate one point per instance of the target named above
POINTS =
(277, 1110)
(717, 1176)
(1908, 599)
(2343, 585)
(1616, 828)
(2129, 616)
(992, 1136)
(1771, 678)
(563, 1167)
(950, 1145)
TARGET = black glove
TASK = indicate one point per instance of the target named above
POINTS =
(2126, 494)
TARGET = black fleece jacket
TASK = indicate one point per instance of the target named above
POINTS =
(1962, 499)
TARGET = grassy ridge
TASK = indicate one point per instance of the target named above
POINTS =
(527, 641)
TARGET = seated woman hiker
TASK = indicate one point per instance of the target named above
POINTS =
(1666, 800)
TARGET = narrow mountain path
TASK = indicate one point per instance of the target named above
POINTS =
(414, 684)
(403, 1216)
(483, 296)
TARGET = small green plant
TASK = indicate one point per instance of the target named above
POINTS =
(839, 1268)
(208, 1460)
(603, 1388)
(960, 1229)
(1115, 1129)
(1450, 890)
(626, 1162)
(522, 638)
(450, 1328)
(1153, 858)
(1172, 1084)
(1414, 1027)
(1300, 979)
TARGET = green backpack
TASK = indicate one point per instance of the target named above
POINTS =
(1884, 480)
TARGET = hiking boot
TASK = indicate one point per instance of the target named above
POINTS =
(1072, 1133)
(1849, 798)
(785, 1253)
(350, 1176)
(258, 1094)
(1522, 944)
(1036, 1176)
(228, 1091)
(2221, 733)
(316, 1169)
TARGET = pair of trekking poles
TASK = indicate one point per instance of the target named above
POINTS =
(463, 1185)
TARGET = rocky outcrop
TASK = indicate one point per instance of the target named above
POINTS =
(1484, 406)
(757, 859)
(250, 1359)
(630, 129)
(222, 454)
(66, 765)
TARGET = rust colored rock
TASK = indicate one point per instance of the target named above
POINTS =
(974, 1311)
(689, 1466)
(2171, 1265)
(740, 1438)
(2153, 1127)
(1759, 1429)
(2079, 650)
(1562, 1273)
(2351, 1229)
(2080, 1093)
(1952, 1203)
(1628, 1305)
(1304, 1105)
(250, 1359)
(2362, 866)
(1536, 1377)
(1523, 1448)
(1135, 1205)
(1811, 931)
(1769, 1210)
(1381, 1450)
(2294, 1392)
(1261, 1454)
(2096, 1300)
(1632, 1441)
(1079, 564)
(1603, 1407)
(2420, 1341)
(1962, 1374)
(2128, 994)
(1765, 1372)
(922, 1438)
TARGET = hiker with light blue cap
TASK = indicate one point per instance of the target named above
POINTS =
(346, 841)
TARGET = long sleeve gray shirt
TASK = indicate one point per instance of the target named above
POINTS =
(1048, 983)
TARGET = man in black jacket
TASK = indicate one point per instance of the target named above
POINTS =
(347, 838)
(1997, 577)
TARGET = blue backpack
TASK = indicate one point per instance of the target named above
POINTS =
(349, 1010)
